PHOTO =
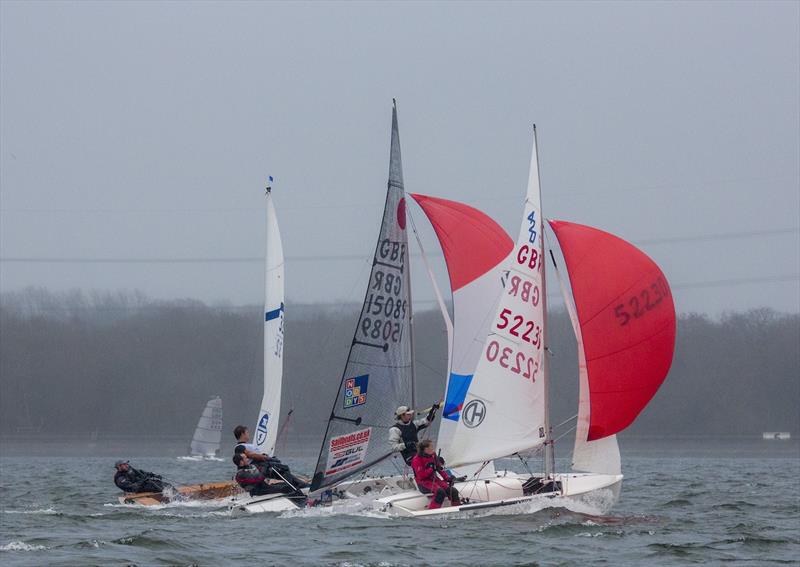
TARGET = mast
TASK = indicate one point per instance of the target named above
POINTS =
(549, 453)
(395, 128)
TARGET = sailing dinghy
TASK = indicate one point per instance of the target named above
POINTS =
(266, 430)
(379, 373)
(624, 320)
(208, 433)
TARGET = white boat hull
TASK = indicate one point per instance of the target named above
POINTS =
(247, 505)
(504, 490)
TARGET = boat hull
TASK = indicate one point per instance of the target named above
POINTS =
(506, 489)
(205, 491)
(268, 503)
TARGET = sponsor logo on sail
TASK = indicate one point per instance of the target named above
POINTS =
(347, 451)
(355, 391)
(261, 430)
(473, 413)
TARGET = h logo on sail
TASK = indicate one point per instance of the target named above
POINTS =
(473, 413)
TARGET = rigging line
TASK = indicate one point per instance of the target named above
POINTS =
(432, 369)
(524, 463)
(566, 421)
(567, 432)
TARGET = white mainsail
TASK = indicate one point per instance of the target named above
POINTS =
(504, 411)
(208, 433)
(266, 431)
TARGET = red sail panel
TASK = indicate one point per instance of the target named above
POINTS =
(627, 320)
(472, 242)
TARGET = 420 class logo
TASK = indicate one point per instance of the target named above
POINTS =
(355, 391)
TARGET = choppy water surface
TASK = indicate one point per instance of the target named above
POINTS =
(692, 504)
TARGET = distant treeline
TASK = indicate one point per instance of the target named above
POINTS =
(121, 363)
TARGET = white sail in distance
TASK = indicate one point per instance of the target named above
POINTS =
(266, 431)
(504, 411)
(208, 433)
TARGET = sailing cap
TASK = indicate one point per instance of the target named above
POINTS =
(403, 410)
(118, 463)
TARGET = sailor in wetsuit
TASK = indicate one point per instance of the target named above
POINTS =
(270, 466)
(129, 479)
(255, 482)
(403, 434)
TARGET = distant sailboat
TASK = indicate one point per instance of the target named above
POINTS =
(207, 437)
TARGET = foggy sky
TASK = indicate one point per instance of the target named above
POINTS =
(146, 130)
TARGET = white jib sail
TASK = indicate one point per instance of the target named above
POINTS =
(208, 434)
(504, 410)
(601, 456)
(267, 427)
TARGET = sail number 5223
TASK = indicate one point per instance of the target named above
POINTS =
(518, 327)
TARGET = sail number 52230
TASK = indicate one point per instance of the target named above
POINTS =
(516, 362)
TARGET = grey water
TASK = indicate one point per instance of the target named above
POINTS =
(688, 501)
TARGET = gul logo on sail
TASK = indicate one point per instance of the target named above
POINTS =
(347, 451)
(355, 393)
(261, 429)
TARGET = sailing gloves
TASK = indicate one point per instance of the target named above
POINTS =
(432, 413)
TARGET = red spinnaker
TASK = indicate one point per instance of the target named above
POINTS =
(472, 242)
(627, 320)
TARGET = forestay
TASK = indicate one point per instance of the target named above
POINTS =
(504, 409)
(378, 374)
(266, 431)
(208, 434)
(475, 249)
(627, 323)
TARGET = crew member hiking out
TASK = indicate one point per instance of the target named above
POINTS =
(270, 466)
(255, 482)
(129, 479)
(403, 434)
(430, 477)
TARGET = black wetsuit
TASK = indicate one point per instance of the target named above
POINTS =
(252, 479)
(134, 480)
(273, 468)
